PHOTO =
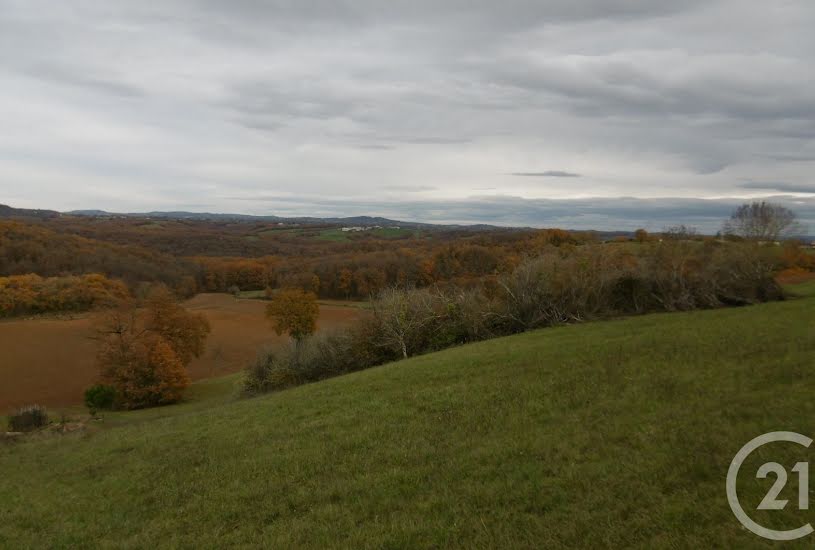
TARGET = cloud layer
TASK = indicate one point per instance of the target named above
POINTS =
(340, 107)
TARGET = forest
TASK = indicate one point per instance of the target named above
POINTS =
(75, 263)
(192, 256)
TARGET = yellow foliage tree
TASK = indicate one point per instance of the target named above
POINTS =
(293, 311)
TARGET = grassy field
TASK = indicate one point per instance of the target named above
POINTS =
(609, 434)
(261, 295)
(333, 234)
(337, 234)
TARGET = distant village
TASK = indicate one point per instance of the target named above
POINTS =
(367, 228)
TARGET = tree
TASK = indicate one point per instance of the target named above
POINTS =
(761, 221)
(641, 235)
(150, 373)
(680, 232)
(293, 311)
(346, 280)
(143, 352)
(402, 317)
(186, 332)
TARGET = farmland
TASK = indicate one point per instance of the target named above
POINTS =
(51, 360)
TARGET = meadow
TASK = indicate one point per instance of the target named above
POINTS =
(606, 434)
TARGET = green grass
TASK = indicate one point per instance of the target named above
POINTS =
(277, 230)
(608, 434)
(261, 295)
(252, 294)
(393, 232)
(335, 234)
(338, 235)
(802, 290)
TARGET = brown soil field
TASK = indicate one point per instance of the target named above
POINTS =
(51, 361)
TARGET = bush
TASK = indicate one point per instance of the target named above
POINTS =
(315, 358)
(270, 372)
(100, 398)
(28, 418)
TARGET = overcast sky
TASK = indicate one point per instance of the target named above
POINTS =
(538, 112)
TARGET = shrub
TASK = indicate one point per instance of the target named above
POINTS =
(269, 372)
(315, 358)
(99, 398)
(28, 418)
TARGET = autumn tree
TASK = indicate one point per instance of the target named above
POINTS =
(761, 221)
(186, 332)
(641, 235)
(345, 282)
(21, 294)
(293, 311)
(143, 352)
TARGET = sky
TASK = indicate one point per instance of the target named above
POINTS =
(605, 114)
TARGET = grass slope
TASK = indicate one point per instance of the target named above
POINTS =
(607, 434)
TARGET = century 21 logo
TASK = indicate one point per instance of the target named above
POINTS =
(771, 500)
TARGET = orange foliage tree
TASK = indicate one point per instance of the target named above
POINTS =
(143, 352)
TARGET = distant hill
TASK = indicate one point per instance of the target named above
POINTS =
(10, 212)
(349, 221)
(364, 221)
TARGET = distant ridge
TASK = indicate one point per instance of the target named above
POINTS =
(363, 221)
(349, 221)
(9, 212)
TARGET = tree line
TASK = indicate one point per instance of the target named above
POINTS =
(558, 286)
(32, 294)
(61, 248)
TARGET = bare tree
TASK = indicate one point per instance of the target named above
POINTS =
(761, 221)
(680, 232)
(402, 316)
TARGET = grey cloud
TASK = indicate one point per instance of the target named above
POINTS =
(120, 100)
(410, 189)
(509, 15)
(547, 174)
(79, 77)
(375, 147)
(778, 186)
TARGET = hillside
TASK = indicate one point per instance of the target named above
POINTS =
(310, 220)
(26, 213)
(607, 434)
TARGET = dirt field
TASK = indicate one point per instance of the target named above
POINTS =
(51, 361)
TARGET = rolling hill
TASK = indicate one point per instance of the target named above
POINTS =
(608, 434)
(26, 213)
